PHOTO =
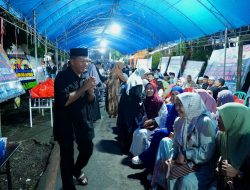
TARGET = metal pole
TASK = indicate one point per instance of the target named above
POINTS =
(56, 55)
(180, 57)
(35, 34)
(225, 54)
(239, 66)
(61, 61)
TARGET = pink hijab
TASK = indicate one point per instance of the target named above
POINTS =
(208, 100)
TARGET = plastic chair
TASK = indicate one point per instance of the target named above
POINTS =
(240, 94)
(247, 101)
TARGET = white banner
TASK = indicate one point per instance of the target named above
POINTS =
(144, 63)
(193, 68)
(175, 65)
(163, 64)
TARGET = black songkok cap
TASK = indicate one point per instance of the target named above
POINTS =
(75, 52)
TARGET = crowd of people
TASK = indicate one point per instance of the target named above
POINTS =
(187, 135)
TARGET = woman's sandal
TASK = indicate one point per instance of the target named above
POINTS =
(82, 179)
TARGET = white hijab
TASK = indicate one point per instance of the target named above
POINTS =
(193, 107)
(136, 78)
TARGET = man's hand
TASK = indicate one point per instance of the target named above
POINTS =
(89, 83)
(90, 91)
(229, 170)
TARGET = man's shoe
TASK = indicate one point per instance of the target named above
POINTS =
(136, 160)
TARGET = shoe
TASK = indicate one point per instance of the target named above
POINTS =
(82, 179)
(149, 177)
(136, 160)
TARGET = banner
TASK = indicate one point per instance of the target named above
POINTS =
(23, 70)
(10, 86)
(175, 65)
(215, 66)
(245, 63)
(193, 68)
(163, 65)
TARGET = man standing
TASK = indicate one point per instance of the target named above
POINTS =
(73, 94)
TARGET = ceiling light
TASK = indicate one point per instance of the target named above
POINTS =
(115, 29)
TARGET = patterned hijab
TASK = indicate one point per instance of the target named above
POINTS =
(235, 140)
(208, 100)
(193, 107)
(224, 96)
(118, 70)
(153, 103)
(136, 78)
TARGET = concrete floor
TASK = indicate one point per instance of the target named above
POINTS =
(108, 168)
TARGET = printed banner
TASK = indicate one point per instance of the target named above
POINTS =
(193, 68)
(175, 65)
(163, 65)
(10, 86)
(215, 66)
(245, 63)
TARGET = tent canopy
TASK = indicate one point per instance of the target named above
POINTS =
(144, 23)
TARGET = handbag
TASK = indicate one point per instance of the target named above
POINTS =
(176, 170)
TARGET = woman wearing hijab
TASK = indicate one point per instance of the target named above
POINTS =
(155, 110)
(148, 157)
(224, 96)
(234, 141)
(94, 109)
(129, 107)
(193, 144)
(208, 100)
(113, 89)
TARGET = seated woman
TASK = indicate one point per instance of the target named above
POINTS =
(148, 156)
(155, 114)
(224, 97)
(193, 144)
(208, 100)
(233, 142)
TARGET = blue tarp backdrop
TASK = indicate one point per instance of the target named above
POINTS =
(144, 23)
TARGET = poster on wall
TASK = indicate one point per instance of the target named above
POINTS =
(175, 65)
(163, 65)
(23, 70)
(10, 86)
(215, 66)
(193, 68)
(245, 63)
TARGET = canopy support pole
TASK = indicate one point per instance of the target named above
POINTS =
(225, 55)
(180, 57)
(35, 36)
(239, 66)
(56, 55)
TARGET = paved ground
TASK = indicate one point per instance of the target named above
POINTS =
(108, 168)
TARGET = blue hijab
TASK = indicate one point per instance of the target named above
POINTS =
(172, 113)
